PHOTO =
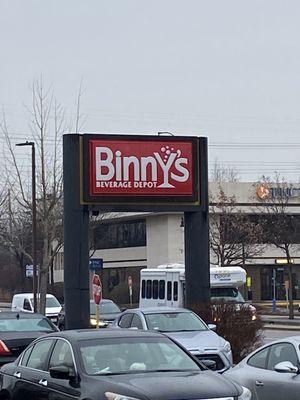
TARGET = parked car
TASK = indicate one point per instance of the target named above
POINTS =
(24, 302)
(109, 311)
(18, 330)
(185, 327)
(112, 365)
(271, 372)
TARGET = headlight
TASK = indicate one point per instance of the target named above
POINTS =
(102, 324)
(227, 347)
(246, 395)
(115, 396)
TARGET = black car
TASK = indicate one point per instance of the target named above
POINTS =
(111, 364)
(109, 311)
(18, 330)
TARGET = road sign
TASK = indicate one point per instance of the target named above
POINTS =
(96, 264)
(97, 289)
(29, 271)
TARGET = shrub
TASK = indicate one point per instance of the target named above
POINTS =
(234, 323)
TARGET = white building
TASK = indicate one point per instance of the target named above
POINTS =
(128, 242)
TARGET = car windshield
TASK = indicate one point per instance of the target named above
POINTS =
(26, 325)
(175, 322)
(133, 355)
(105, 308)
(227, 294)
(50, 302)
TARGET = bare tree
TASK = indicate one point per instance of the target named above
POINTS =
(16, 236)
(234, 238)
(47, 123)
(221, 173)
(281, 228)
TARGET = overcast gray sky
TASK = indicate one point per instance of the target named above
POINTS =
(226, 69)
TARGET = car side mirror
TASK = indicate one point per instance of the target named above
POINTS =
(286, 367)
(212, 327)
(210, 364)
(61, 372)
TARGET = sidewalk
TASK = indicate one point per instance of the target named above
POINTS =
(280, 318)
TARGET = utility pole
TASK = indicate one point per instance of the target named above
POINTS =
(34, 252)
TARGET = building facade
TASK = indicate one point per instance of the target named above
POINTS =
(128, 242)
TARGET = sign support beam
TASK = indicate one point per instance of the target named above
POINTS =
(76, 233)
(196, 239)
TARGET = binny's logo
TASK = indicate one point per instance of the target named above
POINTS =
(160, 168)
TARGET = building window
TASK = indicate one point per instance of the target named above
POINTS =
(119, 234)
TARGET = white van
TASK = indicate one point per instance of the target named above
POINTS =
(24, 302)
(165, 285)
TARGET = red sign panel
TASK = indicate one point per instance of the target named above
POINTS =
(97, 289)
(141, 167)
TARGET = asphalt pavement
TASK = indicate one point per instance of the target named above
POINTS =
(275, 334)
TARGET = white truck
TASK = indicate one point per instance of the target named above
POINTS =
(165, 285)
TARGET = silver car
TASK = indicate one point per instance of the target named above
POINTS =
(186, 328)
(272, 371)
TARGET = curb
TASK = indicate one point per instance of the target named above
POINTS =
(279, 327)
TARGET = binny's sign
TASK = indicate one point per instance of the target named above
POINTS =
(136, 167)
(141, 169)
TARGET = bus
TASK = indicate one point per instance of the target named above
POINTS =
(165, 285)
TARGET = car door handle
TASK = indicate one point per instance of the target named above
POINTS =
(259, 383)
(17, 375)
(43, 382)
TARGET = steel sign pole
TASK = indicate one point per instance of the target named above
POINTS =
(196, 237)
(76, 232)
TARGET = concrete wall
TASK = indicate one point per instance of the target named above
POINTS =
(165, 243)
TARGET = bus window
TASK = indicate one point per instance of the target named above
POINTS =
(169, 290)
(155, 289)
(175, 291)
(162, 287)
(143, 288)
(149, 289)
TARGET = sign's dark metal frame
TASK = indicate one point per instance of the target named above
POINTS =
(145, 202)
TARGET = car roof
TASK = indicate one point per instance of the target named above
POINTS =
(88, 334)
(22, 315)
(158, 310)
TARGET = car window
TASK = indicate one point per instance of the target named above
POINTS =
(136, 322)
(175, 322)
(125, 321)
(106, 307)
(62, 355)
(133, 355)
(39, 354)
(26, 305)
(282, 352)
(26, 355)
(35, 324)
(259, 359)
(161, 290)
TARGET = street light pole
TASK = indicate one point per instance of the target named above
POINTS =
(34, 252)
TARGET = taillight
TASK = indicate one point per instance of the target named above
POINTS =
(4, 350)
